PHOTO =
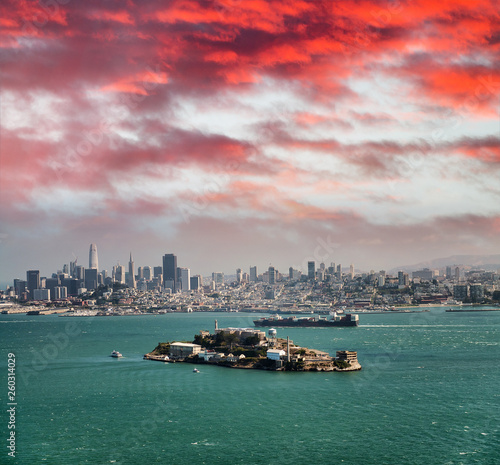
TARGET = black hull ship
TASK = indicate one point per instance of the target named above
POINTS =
(347, 320)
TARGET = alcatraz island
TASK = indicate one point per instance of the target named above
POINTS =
(250, 348)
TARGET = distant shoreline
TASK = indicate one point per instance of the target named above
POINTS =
(420, 308)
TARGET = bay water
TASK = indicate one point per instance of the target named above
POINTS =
(428, 393)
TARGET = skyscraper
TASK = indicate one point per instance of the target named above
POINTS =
(293, 274)
(146, 273)
(19, 286)
(140, 273)
(185, 279)
(158, 271)
(218, 277)
(80, 272)
(170, 269)
(448, 272)
(311, 270)
(72, 268)
(131, 276)
(272, 275)
(51, 284)
(195, 282)
(93, 257)
(119, 275)
(253, 274)
(33, 281)
(60, 293)
(91, 278)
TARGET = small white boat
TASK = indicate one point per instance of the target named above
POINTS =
(195, 370)
(116, 354)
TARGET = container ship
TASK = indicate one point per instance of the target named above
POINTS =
(337, 320)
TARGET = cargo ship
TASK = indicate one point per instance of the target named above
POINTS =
(349, 319)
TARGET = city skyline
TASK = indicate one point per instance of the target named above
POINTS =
(336, 284)
(170, 263)
(229, 129)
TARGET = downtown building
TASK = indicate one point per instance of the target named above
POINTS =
(131, 275)
(170, 271)
(32, 282)
(185, 279)
(93, 262)
(311, 270)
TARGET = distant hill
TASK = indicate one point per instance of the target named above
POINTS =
(487, 262)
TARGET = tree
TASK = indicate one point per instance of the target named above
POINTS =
(252, 340)
(219, 339)
(231, 338)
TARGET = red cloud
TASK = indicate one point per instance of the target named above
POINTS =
(486, 149)
(118, 16)
(160, 57)
(208, 46)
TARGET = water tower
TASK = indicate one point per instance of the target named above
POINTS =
(272, 337)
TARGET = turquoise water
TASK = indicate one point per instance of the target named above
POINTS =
(428, 394)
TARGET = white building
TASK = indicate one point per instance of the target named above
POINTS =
(41, 294)
(184, 349)
(275, 354)
(185, 275)
(207, 355)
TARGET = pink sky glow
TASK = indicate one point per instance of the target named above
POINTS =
(248, 132)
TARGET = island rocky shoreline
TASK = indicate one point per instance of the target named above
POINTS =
(249, 348)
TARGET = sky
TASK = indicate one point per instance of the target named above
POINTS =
(248, 132)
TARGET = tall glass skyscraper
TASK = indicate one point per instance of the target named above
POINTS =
(91, 278)
(311, 270)
(33, 282)
(93, 257)
(170, 269)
